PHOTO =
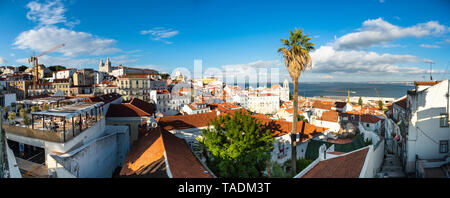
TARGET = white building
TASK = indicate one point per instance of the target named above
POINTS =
(284, 91)
(328, 119)
(73, 141)
(264, 103)
(8, 69)
(63, 74)
(168, 104)
(428, 132)
(195, 108)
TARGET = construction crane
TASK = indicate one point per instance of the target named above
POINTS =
(34, 59)
(348, 92)
(376, 91)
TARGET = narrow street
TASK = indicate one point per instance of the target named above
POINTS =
(392, 167)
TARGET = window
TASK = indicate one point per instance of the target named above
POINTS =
(443, 146)
(444, 120)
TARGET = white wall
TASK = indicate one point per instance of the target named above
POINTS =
(332, 126)
(286, 140)
(374, 160)
(424, 131)
(98, 158)
(10, 98)
(14, 171)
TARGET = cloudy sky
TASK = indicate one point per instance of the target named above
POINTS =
(368, 40)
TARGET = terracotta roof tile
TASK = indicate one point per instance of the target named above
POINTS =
(330, 116)
(186, 121)
(369, 118)
(280, 127)
(426, 83)
(145, 106)
(135, 108)
(402, 102)
(323, 105)
(147, 154)
(346, 166)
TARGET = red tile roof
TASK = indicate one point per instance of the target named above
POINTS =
(145, 106)
(346, 166)
(291, 111)
(340, 141)
(135, 108)
(223, 107)
(426, 83)
(369, 118)
(107, 98)
(340, 105)
(323, 105)
(186, 121)
(146, 156)
(402, 102)
(280, 127)
(330, 116)
(277, 127)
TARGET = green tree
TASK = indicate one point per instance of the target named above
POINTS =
(23, 112)
(34, 109)
(27, 121)
(23, 68)
(55, 68)
(238, 146)
(360, 101)
(164, 76)
(6, 109)
(380, 104)
(19, 106)
(297, 59)
(12, 115)
(45, 107)
(277, 171)
(302, 118)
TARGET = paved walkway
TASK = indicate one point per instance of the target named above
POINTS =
(31, 169)
(392, 167)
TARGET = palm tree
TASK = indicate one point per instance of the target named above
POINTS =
(297, 59)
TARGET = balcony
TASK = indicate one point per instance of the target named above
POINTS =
(61, 124)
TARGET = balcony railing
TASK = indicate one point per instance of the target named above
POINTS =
(59, 126)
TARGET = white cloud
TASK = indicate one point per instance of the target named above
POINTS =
(66, 61)
(429, 46)
(381, 1)
(255, 64)
(326, 77)
(123, 59)
(76, 43)
(12, 54)
(328, 60)
(49, 13)
(160, 34)
(3, 61)
(378, 31)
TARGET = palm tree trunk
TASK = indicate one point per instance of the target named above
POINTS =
(294, 129)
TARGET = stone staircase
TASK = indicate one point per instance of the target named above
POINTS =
(392, 167)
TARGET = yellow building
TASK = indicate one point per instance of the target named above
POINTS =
(134, 85)
(63, 85)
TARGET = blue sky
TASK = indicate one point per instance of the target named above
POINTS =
(355, 40)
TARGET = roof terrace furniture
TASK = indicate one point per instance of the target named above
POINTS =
(63, 123)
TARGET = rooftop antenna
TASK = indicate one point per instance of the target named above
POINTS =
(431, 63)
